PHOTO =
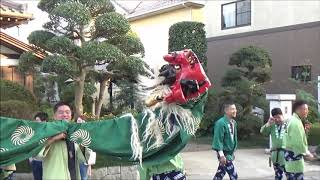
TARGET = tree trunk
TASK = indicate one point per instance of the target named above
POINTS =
(93, 107)
(110, 93)
(79, 92)
(99, 103)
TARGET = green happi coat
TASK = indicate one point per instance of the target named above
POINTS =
(277, 133)
(123, 138)
(146, 172)
(296, 141)
(222, 140)
(54, 161)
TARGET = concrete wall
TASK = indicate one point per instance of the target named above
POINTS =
(264, 15)
(287, 46)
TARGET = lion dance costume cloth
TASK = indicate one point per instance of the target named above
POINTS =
(173, 114)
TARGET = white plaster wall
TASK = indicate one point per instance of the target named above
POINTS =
(6, 50)
(285, 106)
(9, 62)
(264, 15)
(274, 104)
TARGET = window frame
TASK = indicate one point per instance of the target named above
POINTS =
(309, 66)
(236, 13)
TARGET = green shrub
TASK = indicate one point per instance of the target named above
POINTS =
(108, 161)
(189, 35)
(23, 167)
(318, 151)
(243, 85)
(314, 135)
(314, 114)
(17, 109)
(68, 92)
(47, 108)
(248, 126)
(212, 112)
(13, 91)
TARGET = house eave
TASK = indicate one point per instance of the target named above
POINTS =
(11, 14)
(164, 9)
(4, 38)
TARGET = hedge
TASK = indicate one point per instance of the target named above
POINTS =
(17, 109)
(13, 91)
(314, 135)
(189, 35)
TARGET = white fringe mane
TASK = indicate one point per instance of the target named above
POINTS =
(162, 123)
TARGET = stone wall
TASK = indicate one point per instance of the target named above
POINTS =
(105, 173)
(115, 173)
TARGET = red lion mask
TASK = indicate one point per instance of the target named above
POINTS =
(185, 76)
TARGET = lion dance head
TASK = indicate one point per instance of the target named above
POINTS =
(184, 76)
(180, 83)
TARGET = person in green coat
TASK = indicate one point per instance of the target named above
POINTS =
(6, 172)
(276, 127)
(225, 142)
(61, 157)
(295, 142)
(173, 169)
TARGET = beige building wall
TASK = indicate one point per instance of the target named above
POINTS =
(264, 15)
(154, 31)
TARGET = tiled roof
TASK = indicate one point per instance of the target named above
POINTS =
(5, 38)
(139, 9)
(13, 14)
(13, 5)
(132, 7)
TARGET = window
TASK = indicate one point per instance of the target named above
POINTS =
(302, 73)
(236, 14)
